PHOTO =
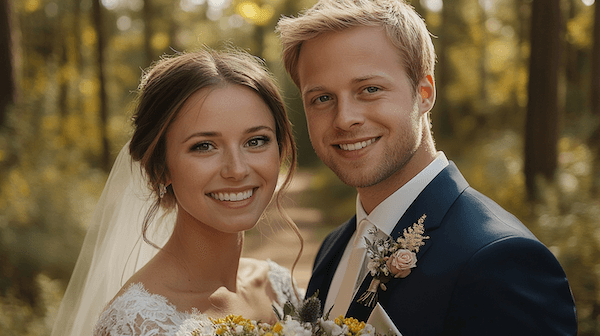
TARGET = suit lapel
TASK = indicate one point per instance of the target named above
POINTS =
(434, 201)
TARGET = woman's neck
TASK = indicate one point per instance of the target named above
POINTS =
(204, 258)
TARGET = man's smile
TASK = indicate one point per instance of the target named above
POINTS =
(357, 145)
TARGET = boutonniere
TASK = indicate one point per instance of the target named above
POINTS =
(389, 259)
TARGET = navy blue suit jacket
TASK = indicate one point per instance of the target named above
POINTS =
(481, 272)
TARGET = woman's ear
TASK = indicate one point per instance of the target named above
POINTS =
(167, 177)
(426, 93)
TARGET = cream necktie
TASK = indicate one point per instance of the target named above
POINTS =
(347, 287)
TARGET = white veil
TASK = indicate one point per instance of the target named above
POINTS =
(113, 249)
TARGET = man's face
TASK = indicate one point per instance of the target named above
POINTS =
(365, 120)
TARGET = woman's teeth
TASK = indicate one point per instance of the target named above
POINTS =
(232, 197)
(356, 146)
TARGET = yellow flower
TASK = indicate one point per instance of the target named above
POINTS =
(354, 325)
(277, 328)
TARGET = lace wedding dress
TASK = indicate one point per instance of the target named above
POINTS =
(140, 313)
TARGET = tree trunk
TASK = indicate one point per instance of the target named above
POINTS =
(595, 82)
(541, 128)
(594, 140)
(7, 82)
(103, 113)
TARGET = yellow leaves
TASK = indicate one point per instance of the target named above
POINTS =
(499, 53)
(50, 123)
(466, 82)
(258, 15)
(32, 5)
(124, 43)
(160, 41)
(272, 50)
(89, 36)
(579, 30)
(20, 187)
(205, 33)
(89, 87)
(15, 195)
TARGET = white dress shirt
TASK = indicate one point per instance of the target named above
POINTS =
(386, 215)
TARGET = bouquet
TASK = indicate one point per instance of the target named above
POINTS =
(305, 320)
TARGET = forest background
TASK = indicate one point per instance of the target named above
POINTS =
(518, 110)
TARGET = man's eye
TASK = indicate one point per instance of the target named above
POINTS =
(371, 89)
(322, 99)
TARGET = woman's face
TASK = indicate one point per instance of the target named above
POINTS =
(223, 158)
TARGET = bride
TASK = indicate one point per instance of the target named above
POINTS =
(210, 137)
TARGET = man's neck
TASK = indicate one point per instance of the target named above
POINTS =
(372, 196)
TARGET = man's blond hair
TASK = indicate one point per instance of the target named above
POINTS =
(403, 26)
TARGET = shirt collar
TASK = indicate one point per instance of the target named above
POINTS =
(388, 213)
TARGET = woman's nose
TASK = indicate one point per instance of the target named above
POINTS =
(235, 166)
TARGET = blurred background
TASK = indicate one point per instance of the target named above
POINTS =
(518, 110)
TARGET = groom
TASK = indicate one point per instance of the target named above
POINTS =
(365, 70)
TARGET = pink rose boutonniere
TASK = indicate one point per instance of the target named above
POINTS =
(392, 259)
(401, 262)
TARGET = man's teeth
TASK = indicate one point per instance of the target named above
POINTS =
(232, 197)
(356, 146)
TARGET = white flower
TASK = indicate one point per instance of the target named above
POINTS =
(292, 327)
(333, 329)
(368, 330)
(372, 267)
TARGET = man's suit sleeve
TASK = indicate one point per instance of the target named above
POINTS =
(513, 286)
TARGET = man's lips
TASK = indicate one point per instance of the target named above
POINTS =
(232, 196)
(357, 145)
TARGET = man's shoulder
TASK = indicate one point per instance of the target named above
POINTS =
(475, 220)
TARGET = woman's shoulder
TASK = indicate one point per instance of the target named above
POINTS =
(135, 309)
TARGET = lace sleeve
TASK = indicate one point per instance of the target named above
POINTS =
(281, 282)
(139, 313)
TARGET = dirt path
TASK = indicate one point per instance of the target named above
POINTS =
(272, 239)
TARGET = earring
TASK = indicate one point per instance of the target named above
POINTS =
(162, 190)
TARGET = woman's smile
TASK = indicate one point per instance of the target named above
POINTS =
(232, 196)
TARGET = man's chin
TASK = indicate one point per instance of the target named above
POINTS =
(355, 179)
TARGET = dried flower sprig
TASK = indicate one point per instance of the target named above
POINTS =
(392, 259)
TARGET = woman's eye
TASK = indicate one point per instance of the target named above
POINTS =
(371, 89)
(258, 142)
(203, 147)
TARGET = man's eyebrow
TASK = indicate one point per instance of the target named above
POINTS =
(354, 81)
(313, 89)
(368, 77)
